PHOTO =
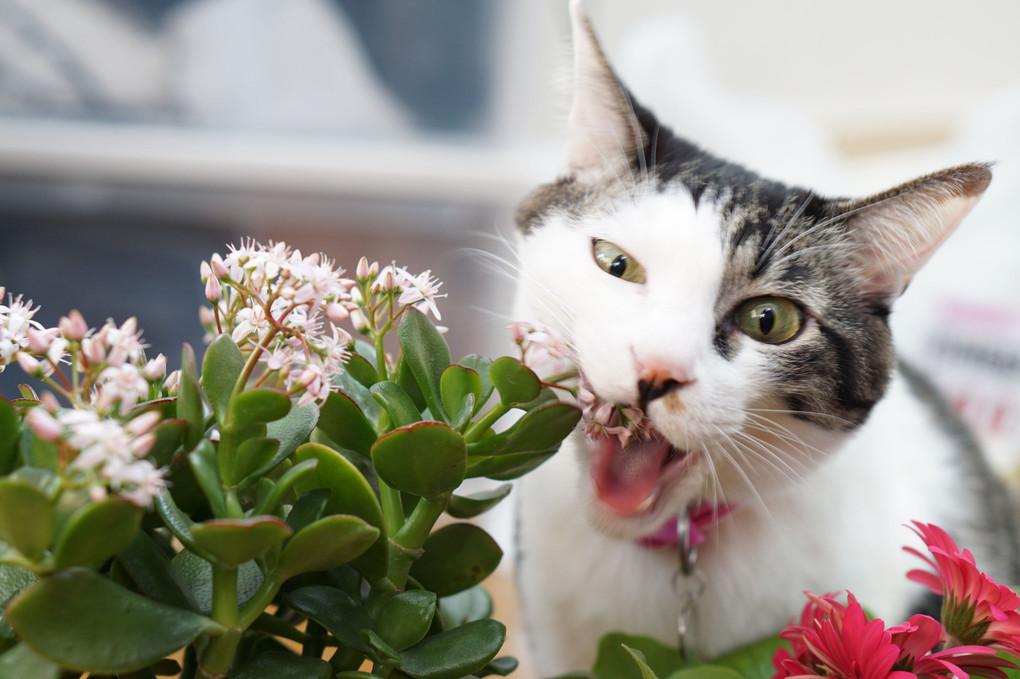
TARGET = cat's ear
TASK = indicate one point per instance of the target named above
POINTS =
(898, 230)
(603, 131)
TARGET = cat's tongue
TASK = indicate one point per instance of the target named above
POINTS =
(626, 478)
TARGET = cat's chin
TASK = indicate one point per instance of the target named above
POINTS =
(636, 488)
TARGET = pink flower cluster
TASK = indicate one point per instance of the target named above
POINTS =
(383, 293)
(283, 307)
(979, 619)
(542, 347)
(602, 419)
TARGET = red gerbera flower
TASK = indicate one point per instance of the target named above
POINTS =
(975, 608)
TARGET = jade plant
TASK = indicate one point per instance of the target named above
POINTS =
(270, 510)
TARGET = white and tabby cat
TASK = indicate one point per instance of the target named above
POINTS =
(750, 320)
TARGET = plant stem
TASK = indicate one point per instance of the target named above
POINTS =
(408, 541)
(392, 507)
(478, 429)
(219, 654)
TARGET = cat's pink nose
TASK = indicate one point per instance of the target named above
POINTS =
(657, 379)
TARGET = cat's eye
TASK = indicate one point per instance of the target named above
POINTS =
(616, 262)
(772, 320)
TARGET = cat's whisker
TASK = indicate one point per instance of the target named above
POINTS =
(773, 241)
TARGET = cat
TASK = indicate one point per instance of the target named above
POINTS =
(748, 320)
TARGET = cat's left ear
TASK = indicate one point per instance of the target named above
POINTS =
(897, 231)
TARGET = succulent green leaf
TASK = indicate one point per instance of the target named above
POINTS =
(615, 659)
(426, 354)
(13, 579)
(327, 543)
(256, 406)
(500, 667)
(153, 574)
(291, 431)
(381, 652)
(278, 490)
(460, 385)
(308, 508)
(515, 382)
(345, 423)
(252, 455)
(753, 661)
(221, 368)
(456, 653)
(481, 365)
(97, 532)
(335, 610)
(642, 664)
(350, 493)
(234, 541)
(470, 506)
(405, 378)
(358, 393)
(362, 369)
(540, 431)
(27, 517)
(102, 628)
(357, 674)
(205, 466)
(457, 556)
(170, 435)
(426, 459)
(21, 662)
(189, 399)
(458, 609)
(41, 454)
(404, 618)
(280, 665)
(196, 572)
(10, 432)
(505, 467)
(176, 520)
(396, 402)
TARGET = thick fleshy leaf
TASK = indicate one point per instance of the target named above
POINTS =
(753, 661)
(335, 610)
(256, 406)
(405, 378)
(357, 674)
(470, 506)
(345, 423)
(221, 368)
(426, 459)
(27, 517)
(176, 520)
(169, 437)
(472, 604)
(404, 618)
(279, 665)
(540, 431)
(515, 382)
(615, 661)
(481, 365)
(380, 651)
(10, 432)
(13, 579)
(505, 467)
(396, 402)
(277, 491)
(308, 508)
(327, 543)
(234, 541)
(426, 354)
(456, 653)
(291, 431)
(189, 399)
(205, 466)
(456, 557)
(461, 388)
(153, 574)
(500, 667)
(350, 493)
(197, 573)
(97, 532)
(358, 393)
(102, 627)
(639, 660)
(21, 661)
(361, 369)
(253, 454)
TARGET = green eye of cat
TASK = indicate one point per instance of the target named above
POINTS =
(616, 262)
(772, 320)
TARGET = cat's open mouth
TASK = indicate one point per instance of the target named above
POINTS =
(629, 480)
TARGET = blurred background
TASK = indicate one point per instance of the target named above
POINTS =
(137, 137)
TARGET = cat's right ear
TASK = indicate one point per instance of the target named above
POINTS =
(603, 133)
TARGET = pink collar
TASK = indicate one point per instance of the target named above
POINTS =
(702, 517)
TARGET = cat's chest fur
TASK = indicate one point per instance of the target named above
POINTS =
(734, 348)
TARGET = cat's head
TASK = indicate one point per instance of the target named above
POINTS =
(748, 318)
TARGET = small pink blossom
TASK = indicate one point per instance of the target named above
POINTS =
(213, 290)
(73, 326)
(155, 369)
(29, 364)
(419, 291)
(121, 384)
(44, 425)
